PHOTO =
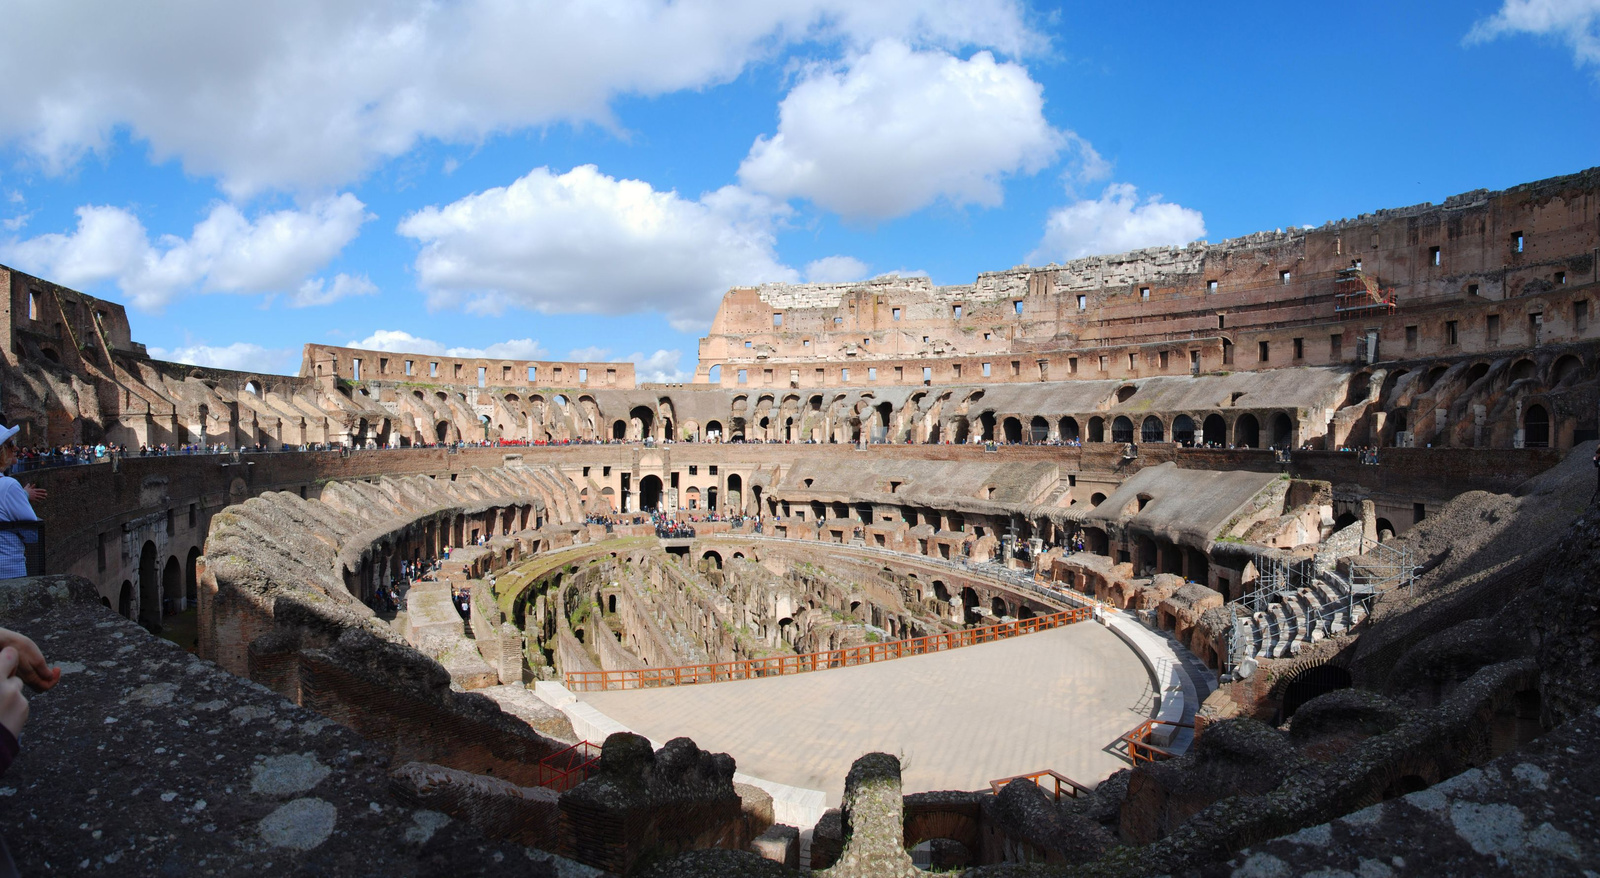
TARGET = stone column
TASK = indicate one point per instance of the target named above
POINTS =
(873, 822)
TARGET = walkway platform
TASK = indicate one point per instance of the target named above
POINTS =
(958, 719)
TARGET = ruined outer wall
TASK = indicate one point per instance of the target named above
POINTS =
(1452, 263)
(356, 364)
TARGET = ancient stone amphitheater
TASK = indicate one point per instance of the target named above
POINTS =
(1270, 557)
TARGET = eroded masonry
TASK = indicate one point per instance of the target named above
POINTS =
(1329, 490)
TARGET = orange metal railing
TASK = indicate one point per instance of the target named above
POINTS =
(1072, 788)
(1139, 748)
(746, 669)
(565, 769)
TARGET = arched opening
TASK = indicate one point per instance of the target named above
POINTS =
(1013, 430)
(1344, 520)
(1126, 392)
(986, 421)
(441, 432)
(1396, 425)
(1476, 373)
(251, 388)
(1432, 378)
(191, 580)
(1521, 370)
(1385, 530)
(172, 587)
(1567, 370)
(1308, 684)
(1097, 429)
(958, 426)
(713, 431)
(941, 591)
(997, 606)
(619, 429)
(714, 558)
(650, 493)
(1095, 540)
(149, 588)
(735, 493)
(1283, 430)
(1214, 431)
(1536, 427)
(1152, 430)
(1038, 429)
(1183, 430)
(125, 600)
(1247, 432)
(642, 418)
(969, 605)
(1121, 429)
(1068, 429)
(1096, 498)
(714, 374)
(711, 498)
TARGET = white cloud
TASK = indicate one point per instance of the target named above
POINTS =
(897, 129)
(583, 242)
(225, 253)
(661, 367)
(1115, 222)
(836, 269)
(591, 354)
(316, 291)
(1574, 22)
(309, 95)
(240, 356)
(402, 342)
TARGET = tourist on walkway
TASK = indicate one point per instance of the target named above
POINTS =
(15, 506)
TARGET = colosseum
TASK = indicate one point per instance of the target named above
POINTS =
(1268, 557)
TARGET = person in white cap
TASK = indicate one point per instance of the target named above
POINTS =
(15, 505)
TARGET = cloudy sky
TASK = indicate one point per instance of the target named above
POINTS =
(585, 179)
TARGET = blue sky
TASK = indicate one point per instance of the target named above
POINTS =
(561, 180)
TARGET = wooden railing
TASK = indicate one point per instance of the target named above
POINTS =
(746, 669)
(565, 769)
(1072, 788)
(1139, 748)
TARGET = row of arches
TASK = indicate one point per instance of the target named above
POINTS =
(163, 589)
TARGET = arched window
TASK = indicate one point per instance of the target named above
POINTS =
(1247, 432)
(1183, 430)
(1121, 429)
(1536, 428)
(1152, 430)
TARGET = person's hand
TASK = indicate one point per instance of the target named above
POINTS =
(35, 494)
(30, 664)
(13, 704)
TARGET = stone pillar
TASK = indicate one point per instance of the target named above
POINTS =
(873, 822)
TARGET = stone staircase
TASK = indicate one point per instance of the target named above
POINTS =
(1290, 618)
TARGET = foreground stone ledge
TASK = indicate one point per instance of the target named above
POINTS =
(145, 760)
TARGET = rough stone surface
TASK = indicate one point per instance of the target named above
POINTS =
(134, 765)
(872, 815)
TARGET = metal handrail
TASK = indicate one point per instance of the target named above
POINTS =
(746, 669)
(568, 767)
(1073, 788)
(1137, 740)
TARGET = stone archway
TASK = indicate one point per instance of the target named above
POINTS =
(650, 493)
(149, 588)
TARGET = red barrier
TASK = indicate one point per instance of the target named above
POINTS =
(745, 669)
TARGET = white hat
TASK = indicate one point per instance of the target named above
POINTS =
(7, 432)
